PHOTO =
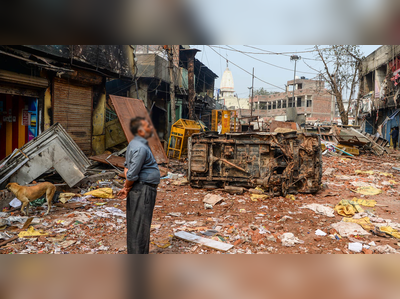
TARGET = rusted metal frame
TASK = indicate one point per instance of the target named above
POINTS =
(189, 157)
(210, 166)
(223, 166)
(245, 180)
(233, 141)
(231, 164)
(119, 170)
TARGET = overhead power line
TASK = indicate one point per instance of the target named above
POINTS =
(274, 65)
(285, 53)
(247, 71)
(282, 53)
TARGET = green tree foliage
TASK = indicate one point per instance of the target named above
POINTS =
(263, 92)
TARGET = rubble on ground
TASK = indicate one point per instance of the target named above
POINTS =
(236, 223)
(307, 203)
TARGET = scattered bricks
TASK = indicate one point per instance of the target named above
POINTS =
(367, 251)
(318, 239)
(42, 239)
(238, 242)
(256, 237)
(253, 227)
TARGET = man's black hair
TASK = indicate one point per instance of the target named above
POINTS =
(135, 124)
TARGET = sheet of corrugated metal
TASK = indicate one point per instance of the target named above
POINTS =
(53, 148)
(128, 108)
(72, 108)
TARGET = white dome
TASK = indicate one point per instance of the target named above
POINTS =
(227, 81)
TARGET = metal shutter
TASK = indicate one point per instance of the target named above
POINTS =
(72, 108)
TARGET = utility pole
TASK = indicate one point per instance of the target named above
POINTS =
(295, 58)
(172, 83)
(252, 94)
(190, 54)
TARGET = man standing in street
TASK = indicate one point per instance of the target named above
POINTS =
(140, 189)
(395, 136)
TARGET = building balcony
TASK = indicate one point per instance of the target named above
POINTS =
(155, 66)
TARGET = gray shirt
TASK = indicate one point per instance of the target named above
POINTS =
(141, 163)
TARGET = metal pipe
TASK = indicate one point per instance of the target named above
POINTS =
(343, 151)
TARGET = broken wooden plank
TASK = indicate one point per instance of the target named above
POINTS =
(203, 241)
(27, 223)
(114, 160)
(8, 241)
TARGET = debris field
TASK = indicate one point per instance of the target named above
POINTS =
(201, 221)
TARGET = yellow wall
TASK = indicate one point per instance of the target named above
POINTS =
(47, 107)
(99, 119)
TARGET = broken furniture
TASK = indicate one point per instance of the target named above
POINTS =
(180, 132)
(279, 162)
(351, 138)
(53, 148)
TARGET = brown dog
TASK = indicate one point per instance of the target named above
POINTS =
(28, 194)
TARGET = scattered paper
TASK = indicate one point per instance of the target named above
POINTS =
(15, 203)
(320, 209)
(319, 232)
(356, 247)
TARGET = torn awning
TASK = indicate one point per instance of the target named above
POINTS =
(128, 108)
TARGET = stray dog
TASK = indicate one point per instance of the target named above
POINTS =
(28, 194)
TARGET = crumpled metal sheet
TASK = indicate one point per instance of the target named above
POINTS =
(128, 108)
(53, 148)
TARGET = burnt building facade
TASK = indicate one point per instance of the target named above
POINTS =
(152, 86)
(44, 84)
(380, 91)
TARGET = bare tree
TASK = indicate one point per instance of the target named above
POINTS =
(341, 71)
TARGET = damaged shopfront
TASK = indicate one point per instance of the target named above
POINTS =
(44, 85)
(21, 102)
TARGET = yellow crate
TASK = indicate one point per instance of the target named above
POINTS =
(180, 132)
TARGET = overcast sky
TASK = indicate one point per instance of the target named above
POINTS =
(264, 68)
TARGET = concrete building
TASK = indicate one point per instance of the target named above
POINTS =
(41, 85)
(380, 90)
(153, 86)
(311, 99)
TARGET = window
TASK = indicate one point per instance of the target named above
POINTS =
(298, 102)
(263, 105)
(110, 115)
(300, 86)
(290, 103)
(279, 104)
(284, 103)
(274, 105)
(309, 102)
(269, 105)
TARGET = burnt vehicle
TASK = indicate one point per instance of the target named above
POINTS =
(280, 163)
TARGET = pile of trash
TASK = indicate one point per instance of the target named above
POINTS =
(355, 212)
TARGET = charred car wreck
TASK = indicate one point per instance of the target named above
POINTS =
(280, 163)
